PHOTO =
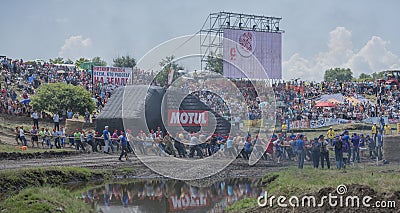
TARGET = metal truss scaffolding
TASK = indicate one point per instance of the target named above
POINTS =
(211, 34)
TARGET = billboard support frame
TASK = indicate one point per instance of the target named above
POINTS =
(211, 33)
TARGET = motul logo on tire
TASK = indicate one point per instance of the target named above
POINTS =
(187, 118)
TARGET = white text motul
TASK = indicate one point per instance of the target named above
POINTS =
(187, 118)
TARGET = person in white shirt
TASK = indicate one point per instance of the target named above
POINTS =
(35, 117)
(61, 134)
(56, 119)
(237, 122)
(22, 135)
(56, 139)
(195, 146)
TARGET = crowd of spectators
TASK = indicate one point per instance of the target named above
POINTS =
(300, 98)
(141, 77)
(20, 80)
(296, 100)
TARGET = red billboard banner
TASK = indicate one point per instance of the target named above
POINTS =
(187, 118)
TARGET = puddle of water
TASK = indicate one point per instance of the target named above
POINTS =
(170, 195)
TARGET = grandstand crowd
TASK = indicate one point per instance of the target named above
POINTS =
(299, 99)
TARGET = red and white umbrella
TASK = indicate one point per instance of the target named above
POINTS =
(325, 104)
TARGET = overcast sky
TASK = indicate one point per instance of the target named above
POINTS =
(359, 34)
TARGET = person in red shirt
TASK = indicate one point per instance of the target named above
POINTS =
(269, 150)
(114, 140)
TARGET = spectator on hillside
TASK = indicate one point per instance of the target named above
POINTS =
(315, 152)
(379, 144)
(34, 136)
(56, 138)
(56, 119)
(124, 147)
(91, 141)
(179, 146)
(17, 137)
(42, 136)
(94, 116)
(169, 147)
(362, 145)
(355, 140)
(114, 140)
(61, 135)
(47, 136)
(324, 152)
(35, 117)
(300, 145)
(338, 144)
(247, 148)
(77, 140)
(83, 140)
(388, 129)
(71, 139)
(330, 134)
(98, 141)
(230, 149)
(346, 143)
(374, 131)
(76, 115)
(87, 116)
(194, 146)
(371, 146)
(22, 136)
(70, 114)
(107, 139)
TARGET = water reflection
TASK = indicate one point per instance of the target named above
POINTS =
(171, 196)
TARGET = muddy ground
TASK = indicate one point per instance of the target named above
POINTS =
(17, 160)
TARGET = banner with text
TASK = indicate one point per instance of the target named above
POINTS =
(299, 124)
(376, 120)
(112, 75)
(187, 118)
(322, 122)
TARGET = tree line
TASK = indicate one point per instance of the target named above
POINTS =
(121, 61)
(345, 74)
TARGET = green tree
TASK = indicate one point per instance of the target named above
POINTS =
(57, 96)
(338, 74)
(97, 60)
(69, 61)
(167, 64)
(214, 63)
(80, 61)
(124, 61)
(379, 75)
(365, 77)
(57, 60)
